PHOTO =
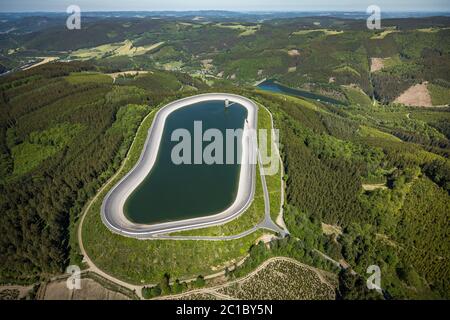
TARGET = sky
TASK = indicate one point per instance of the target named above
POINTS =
(236, 5)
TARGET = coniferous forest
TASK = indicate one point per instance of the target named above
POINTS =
(367, 179)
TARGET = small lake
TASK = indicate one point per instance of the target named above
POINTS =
(173, 192)
(273, 86)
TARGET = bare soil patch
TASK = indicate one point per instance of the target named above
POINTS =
(417, 95)
(329, 229)
(278, 278)
(371, 187)
(44, 61)
(376, 64)
(90, 290)
(294, 53)
(126, 73)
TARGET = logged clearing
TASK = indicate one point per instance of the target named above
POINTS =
(383, 34)
(125, 48)
(417, 95)
(283, 279)
(294, 53)
(126, 73)
(376, 64)
(278, 278)
(330, 229)
(266, 238)
(326, 32)
(44, 61)
(172, 65)
(90, 290)
(386, 239)
(371, 187)
(207, 64)
(246, 30)
(249, 32)
(431, 29)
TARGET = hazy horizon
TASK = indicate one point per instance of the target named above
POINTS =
(230, 10)
(228, 5)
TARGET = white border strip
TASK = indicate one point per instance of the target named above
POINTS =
(112, 207)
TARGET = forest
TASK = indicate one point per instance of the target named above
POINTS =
(318, 54)
(373, 171)
(402, 227)
(60, 141)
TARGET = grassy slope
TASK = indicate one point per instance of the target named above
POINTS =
(357, 96)
(84, 77)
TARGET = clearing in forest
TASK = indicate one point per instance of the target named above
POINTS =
(278, 278)
(326, 32)
(383, 34)
(376, 64)
(417, 95)
(125, 48)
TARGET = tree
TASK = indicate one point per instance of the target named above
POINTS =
(353, 287)
(178, 287)
(152, 292)
(199, 282)
(164, 284)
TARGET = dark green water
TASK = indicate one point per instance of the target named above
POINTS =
(173, 192)
(271, 85)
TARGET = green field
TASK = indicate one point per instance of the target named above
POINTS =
(86, 77)
(357, 96)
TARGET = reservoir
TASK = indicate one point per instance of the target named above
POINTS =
(172, 191)
(273, 86)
